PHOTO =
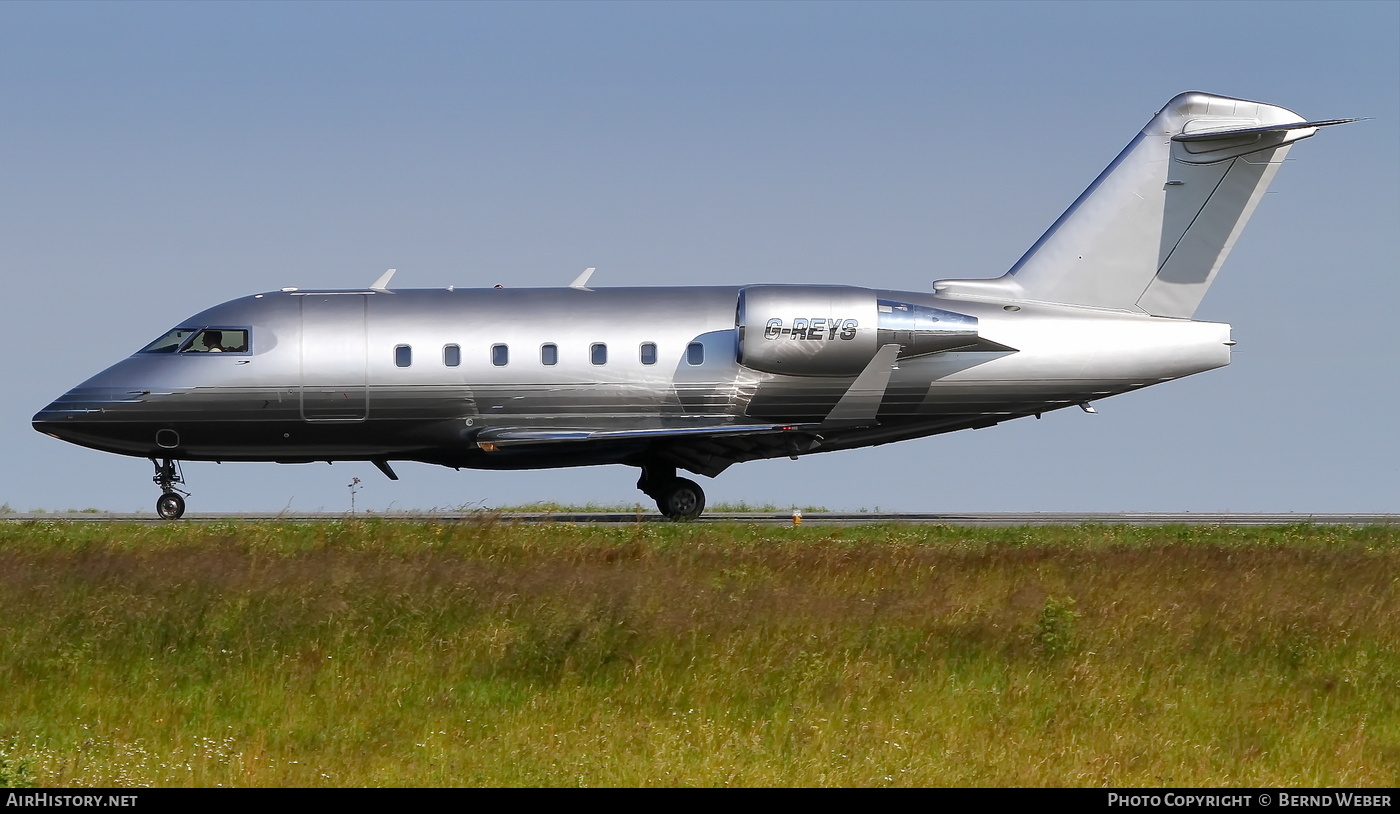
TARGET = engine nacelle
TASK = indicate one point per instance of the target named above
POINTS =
(806, 330)
(836, 330)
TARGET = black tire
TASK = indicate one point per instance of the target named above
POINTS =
(681, 499)
(170, 506)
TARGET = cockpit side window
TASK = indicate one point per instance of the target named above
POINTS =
(171, 342)
(218, 340)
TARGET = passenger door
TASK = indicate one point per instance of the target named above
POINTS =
(334, 355)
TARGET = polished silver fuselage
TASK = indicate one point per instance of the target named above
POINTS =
(324, 376)
(702, 378)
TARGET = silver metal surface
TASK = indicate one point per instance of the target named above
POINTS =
(806, 330)
(1150, 233)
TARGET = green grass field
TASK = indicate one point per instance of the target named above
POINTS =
(382, 653)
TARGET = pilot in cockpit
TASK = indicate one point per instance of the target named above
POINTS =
(212, 340)
(235, 342)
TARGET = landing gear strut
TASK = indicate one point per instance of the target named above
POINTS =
(171, 503)
(677, 498)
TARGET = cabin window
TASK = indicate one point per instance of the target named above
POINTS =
(598, 353)
(549, 354)
(648, 353)
(403, 355)
(451, 355)
(695, 353)
(500, 355)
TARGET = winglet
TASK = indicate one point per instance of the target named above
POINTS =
(862, 401)
(382, 284)
(580, 282)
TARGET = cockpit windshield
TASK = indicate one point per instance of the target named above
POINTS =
(201, 340)
(171, 342)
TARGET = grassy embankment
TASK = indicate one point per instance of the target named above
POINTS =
(404, 653)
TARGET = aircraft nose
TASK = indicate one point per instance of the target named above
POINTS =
(50, 422)
(70, 410)
(86, 416)
(45, 421)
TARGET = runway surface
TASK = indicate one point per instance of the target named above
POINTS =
(756, 518)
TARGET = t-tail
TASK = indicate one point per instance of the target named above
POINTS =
(1153, 229)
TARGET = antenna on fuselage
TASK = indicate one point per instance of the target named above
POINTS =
(580, 282)
(382, 284)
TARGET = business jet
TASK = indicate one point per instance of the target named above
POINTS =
(701, 378)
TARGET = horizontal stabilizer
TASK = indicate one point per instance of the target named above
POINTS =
(1250, 131)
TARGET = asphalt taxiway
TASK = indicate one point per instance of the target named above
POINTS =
(759, 518)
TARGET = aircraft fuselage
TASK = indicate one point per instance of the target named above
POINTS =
(421, 374)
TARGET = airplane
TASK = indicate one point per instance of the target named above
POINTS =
(701, 378)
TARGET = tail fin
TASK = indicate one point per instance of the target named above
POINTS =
(1153, 229)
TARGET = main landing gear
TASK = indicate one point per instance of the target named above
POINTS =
(171, 503)
(677, 498)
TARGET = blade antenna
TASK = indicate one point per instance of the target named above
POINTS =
(580, 282)
(382, 284)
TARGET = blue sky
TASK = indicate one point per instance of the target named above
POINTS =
(160, 158)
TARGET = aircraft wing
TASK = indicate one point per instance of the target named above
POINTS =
(493, 439)
(705, 450)
(709, 450)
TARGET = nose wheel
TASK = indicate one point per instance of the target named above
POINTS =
(171, 503)
(170, 506)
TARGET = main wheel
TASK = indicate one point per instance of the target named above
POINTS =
(170, 506)
(681, 499)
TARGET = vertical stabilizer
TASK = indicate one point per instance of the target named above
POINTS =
(1153, 229)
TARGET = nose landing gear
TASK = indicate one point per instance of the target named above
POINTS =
(170, 506)
(677, 498)
(171, 503)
